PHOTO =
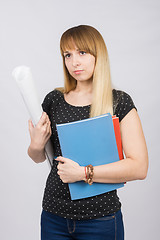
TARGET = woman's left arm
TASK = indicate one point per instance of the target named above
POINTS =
(135, 165)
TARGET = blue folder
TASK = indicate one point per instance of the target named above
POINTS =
(89, 141)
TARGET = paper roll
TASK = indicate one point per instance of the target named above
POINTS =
(24, 80)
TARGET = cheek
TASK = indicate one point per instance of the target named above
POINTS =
(69, 69)
(67, 65)
(92, 66)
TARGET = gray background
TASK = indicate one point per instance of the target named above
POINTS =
(30, 31)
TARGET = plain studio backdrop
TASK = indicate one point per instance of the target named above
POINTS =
(30, 32)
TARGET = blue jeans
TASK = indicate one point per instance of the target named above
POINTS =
(109, 227)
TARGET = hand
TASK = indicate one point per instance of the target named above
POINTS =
(69, 171)
(41, 133)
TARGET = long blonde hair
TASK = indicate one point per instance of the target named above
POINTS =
(88, 39)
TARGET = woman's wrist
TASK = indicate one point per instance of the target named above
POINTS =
(36, 146)
(87, 173)
(82, 173)
(36, 153)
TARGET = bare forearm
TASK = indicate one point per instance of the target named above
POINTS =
(122, 171)
(135, 165)
(37, 155)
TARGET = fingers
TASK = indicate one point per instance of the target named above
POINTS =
(42, 130)
(50, 131)
(61, 159)
(48, 126)
(59, 165)
(30, 125)
(44, 124)
(44, 119)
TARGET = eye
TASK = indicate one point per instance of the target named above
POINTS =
(67, 55)
(82, 52)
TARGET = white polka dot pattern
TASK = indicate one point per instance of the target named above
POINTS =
(56, 196)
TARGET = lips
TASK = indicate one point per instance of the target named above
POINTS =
(78, 71)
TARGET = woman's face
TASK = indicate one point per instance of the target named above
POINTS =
(80, 64)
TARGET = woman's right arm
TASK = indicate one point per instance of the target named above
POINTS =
(40, 135)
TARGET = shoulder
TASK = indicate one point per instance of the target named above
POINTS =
(51, 98)
(122, 103)
(53, 94)
(120, 95)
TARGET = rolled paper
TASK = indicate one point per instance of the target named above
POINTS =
(26, 85)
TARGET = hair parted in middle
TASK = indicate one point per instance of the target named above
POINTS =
(88, 39)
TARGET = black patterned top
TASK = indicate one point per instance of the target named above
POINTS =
(57, 198)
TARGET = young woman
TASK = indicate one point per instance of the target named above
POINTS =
(87, 93)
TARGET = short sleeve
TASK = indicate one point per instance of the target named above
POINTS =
(122, 104)
(46, 103)
(50, 100)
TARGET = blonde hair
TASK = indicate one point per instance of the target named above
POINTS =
(88, 39)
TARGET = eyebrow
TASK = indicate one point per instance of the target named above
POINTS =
(69, 52)
(66, 52)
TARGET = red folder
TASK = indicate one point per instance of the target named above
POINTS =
(118, 136)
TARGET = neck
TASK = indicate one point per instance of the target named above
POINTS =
(84, 87)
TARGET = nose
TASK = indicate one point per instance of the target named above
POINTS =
(75, 60)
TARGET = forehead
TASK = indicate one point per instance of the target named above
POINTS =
(71, 50)
(69, 45)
